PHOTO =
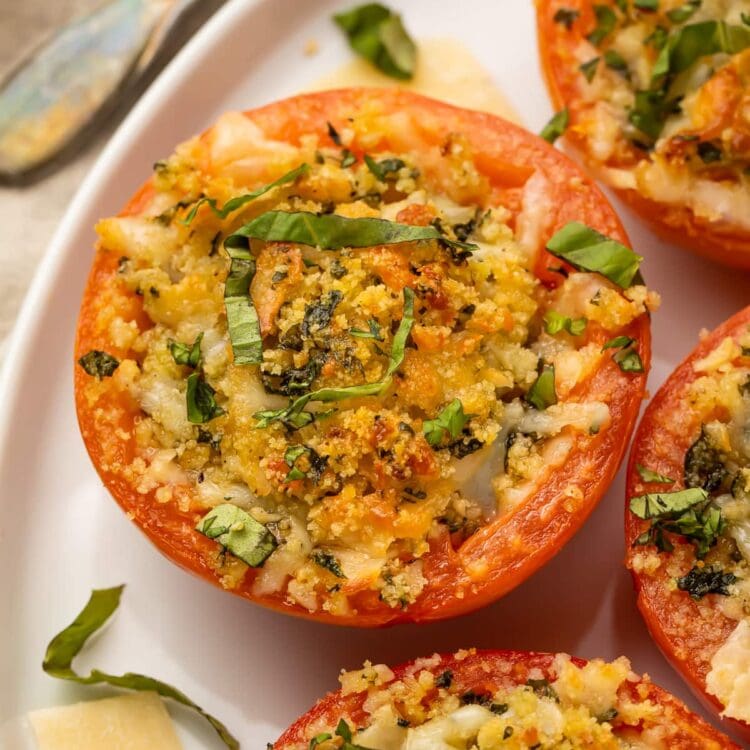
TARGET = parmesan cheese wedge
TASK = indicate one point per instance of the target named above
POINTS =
(138, 721)
(446, 70)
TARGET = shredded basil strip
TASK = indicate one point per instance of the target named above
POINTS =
(99, 364)
(649, 475)
(241, 200)
(333, 232)
(627, 358)
(294, 415)
(183, 354)
(373, 333)
(556, 126)
(606, 20)
(658, 504)
(554, 322)
(67, 644)
(681, 14)
(377, 33)
(451, 421)
(381, 169)
(688, 44)
(589, 68)
(542, 392)
(237, 531)
(646, 5)
(242, 318)
(201, 401)
(588, 250)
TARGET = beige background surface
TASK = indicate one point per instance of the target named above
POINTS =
(29, 215)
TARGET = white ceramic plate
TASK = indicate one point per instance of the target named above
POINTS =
(60, 533)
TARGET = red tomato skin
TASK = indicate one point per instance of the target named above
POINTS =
(723, 243)
(686, 631)
(488, 671)
(515, 547)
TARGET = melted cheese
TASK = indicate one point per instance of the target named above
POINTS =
(729, 678)
(128, 722)
(446, 70)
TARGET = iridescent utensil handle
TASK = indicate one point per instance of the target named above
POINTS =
(59, 90)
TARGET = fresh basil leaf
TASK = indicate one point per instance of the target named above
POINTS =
(657, 38)
(649, 475)
(566, 17)
(450, 421)
(99, 364)
(681, 14)
(241, 200)
(629, 360)
(318, 739)
(650, 111)
(347, 158)
(646, 5)
(292, 453)
(589, 68)
(187, 355)
(329, 562)
(318, 315)
(554, 322)
(706, 580)
(242, 317)
(239, 533)
(295, 417)
(588, 250)
(615, 61)
(333, 232)
(542, 392)
(745, 17)
(690, 43)
(556, 126)
(385, 167)
(201, 401)
(618, 342)
(373, 333)
(606, 20)
(622, 5)
(67, 644)
(659, 504)
(378, 34)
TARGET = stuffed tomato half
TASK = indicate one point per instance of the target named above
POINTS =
(488, 700)
(362, 356)
(657, 95)
(688, 519)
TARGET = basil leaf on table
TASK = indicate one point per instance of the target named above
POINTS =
(241, 200)
(67, 644)
(588, 250)
(377, 33)
(333, 232)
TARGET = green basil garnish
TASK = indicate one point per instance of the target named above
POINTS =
(378, 34)
(606, 20)
(615, 61)
(649, 475)
(659, 504)
(187, 355)
(333, 232)
(450, 421)
(556, 126)
(241, 200)
(690, 43)
(99, 364)
(318, 739)
(294, 416)
(542, 392)
(242, 317)
(646, 5)
(554, 322)
(329, 562)
(383, 168)
(239, 533)
(373, 333)
(67, 644)
(681, 14)
(201, 401)
(707, 580)
(588, 250)
(627, 358)
(589, 68)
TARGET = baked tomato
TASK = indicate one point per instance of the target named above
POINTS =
(500, 699)
(688, 518)
(328, 363)
(658, 94)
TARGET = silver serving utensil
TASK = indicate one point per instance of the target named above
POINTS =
(52, 98)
